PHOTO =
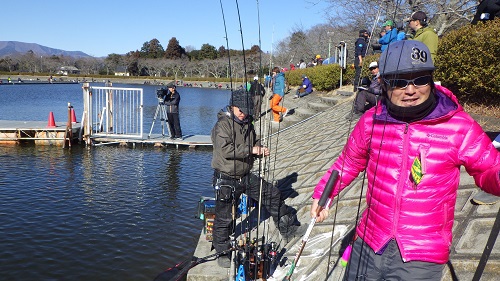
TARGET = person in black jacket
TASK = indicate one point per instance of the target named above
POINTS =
(257, 91)
(172, 100)
(368, 93)
(359, 54)
(487, 10)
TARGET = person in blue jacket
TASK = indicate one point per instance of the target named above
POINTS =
(391, 35)
(305, 89)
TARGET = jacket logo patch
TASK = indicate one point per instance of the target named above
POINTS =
(435, 136)
(416, 171)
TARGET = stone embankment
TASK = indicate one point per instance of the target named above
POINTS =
(305, 145)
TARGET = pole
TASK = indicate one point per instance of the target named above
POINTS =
(330, 33)
(324, 201)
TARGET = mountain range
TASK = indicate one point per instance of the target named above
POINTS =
(13, 48)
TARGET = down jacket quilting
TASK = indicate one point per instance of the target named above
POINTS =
(418, 216)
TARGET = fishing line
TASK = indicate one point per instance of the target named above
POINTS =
(232, 226)
(369, 148)
(261, 168)
(369, 201)
(227, 47)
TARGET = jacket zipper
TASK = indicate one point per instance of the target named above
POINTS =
(400, 182)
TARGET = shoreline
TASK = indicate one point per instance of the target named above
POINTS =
(32, 79)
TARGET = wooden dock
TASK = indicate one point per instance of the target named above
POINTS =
(16, 132)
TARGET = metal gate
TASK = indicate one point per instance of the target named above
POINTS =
(112, 112)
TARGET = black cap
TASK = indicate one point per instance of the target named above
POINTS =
(418, 15)
(171, 85)
(243, 101)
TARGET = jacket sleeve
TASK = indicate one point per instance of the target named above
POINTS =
(350, 163)
(173, 99)
(388, 37)
(481, 159)
(224, 142)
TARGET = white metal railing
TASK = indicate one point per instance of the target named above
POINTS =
(112, 112)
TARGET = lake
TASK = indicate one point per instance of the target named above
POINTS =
(100, 213)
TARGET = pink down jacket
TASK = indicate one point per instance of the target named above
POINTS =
(418, 216)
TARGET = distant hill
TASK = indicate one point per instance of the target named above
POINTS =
(12, 48)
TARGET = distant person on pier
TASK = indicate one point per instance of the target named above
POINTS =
(235, 146)
(172, 101)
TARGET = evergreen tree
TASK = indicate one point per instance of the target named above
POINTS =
(208, 52)
(174, 50)
(152, 49)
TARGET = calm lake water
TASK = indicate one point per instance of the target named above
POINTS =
(100, 213)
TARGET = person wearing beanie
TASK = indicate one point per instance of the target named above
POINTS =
(391, 35)
(235, 146)
(172, 101)
(423, 32)
(411, 147)
(360, 47)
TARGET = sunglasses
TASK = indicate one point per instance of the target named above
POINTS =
(403, 83)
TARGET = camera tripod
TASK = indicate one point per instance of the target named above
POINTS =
(160, 108)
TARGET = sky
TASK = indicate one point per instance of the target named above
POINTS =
(100, 28)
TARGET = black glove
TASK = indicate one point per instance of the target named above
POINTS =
(271, 97)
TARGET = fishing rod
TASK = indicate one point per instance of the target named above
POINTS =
(227, 47)
(183, 267)
(324, 201)
(487, 249)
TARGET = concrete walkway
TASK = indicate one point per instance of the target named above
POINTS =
(307, 144)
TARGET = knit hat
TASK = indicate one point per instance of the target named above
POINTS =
(406, 56)
(242, 100)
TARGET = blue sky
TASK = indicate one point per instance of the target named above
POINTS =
(99, 28)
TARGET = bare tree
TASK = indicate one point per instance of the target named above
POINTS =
(216, 67)
(443, 15)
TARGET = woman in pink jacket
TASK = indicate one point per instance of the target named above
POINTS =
(412, 146)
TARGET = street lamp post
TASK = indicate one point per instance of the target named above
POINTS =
(330, 33)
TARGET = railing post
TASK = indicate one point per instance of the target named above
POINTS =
(109, 107)
(86, 126)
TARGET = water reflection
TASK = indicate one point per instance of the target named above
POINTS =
(107, 213)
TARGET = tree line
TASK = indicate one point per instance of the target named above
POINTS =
(342, 25)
